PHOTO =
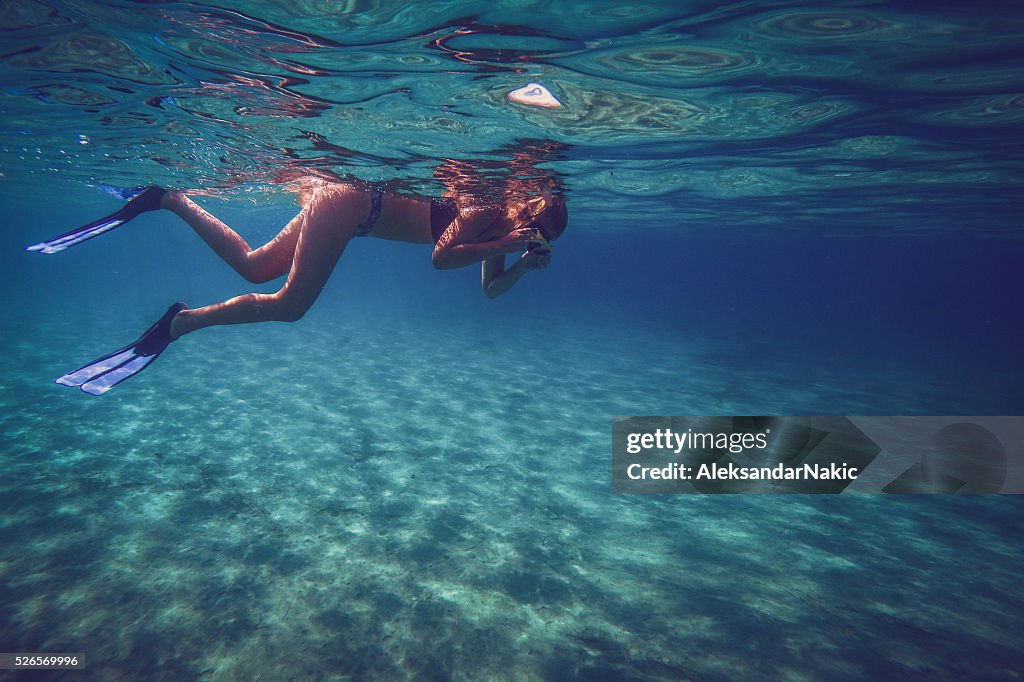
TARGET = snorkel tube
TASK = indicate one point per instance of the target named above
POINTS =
(539, 244)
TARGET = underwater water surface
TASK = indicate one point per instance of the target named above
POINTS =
(775, 208)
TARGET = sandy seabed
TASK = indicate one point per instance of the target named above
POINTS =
(406, 499)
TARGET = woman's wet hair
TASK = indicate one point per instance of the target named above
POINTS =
(554, 211)
(557, 214)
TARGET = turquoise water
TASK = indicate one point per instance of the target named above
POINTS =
(774, 209)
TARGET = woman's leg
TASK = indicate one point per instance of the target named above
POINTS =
(321, 231)
(268, 262)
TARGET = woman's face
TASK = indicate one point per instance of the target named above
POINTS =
(534, 214)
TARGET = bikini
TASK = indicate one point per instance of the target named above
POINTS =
(442, 213)
(376, 199)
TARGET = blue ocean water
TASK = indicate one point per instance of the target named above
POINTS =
(775, 208)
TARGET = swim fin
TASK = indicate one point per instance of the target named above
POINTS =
(102, 374)
(146, 200)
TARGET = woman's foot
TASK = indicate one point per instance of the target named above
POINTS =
(170, 198)
(149, 199)
(177, 327)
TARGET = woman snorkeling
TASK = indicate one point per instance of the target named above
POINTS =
(309, 246)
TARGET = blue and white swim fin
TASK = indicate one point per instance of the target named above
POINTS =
(102, 374)
(146, 200)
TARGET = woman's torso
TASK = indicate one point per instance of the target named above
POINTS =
(404, 218)
(422, 220)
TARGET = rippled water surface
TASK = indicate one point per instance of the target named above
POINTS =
(882, 117)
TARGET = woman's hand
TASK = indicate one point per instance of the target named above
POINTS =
(535, 260)
(516, 241)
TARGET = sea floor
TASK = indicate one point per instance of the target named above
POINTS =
(389, 498)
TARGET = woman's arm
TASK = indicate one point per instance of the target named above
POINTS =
(458, 245)
(496, 280)
(460, 255)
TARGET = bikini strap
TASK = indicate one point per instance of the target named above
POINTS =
(376, 199)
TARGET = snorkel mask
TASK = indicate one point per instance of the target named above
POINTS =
(540, 241)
